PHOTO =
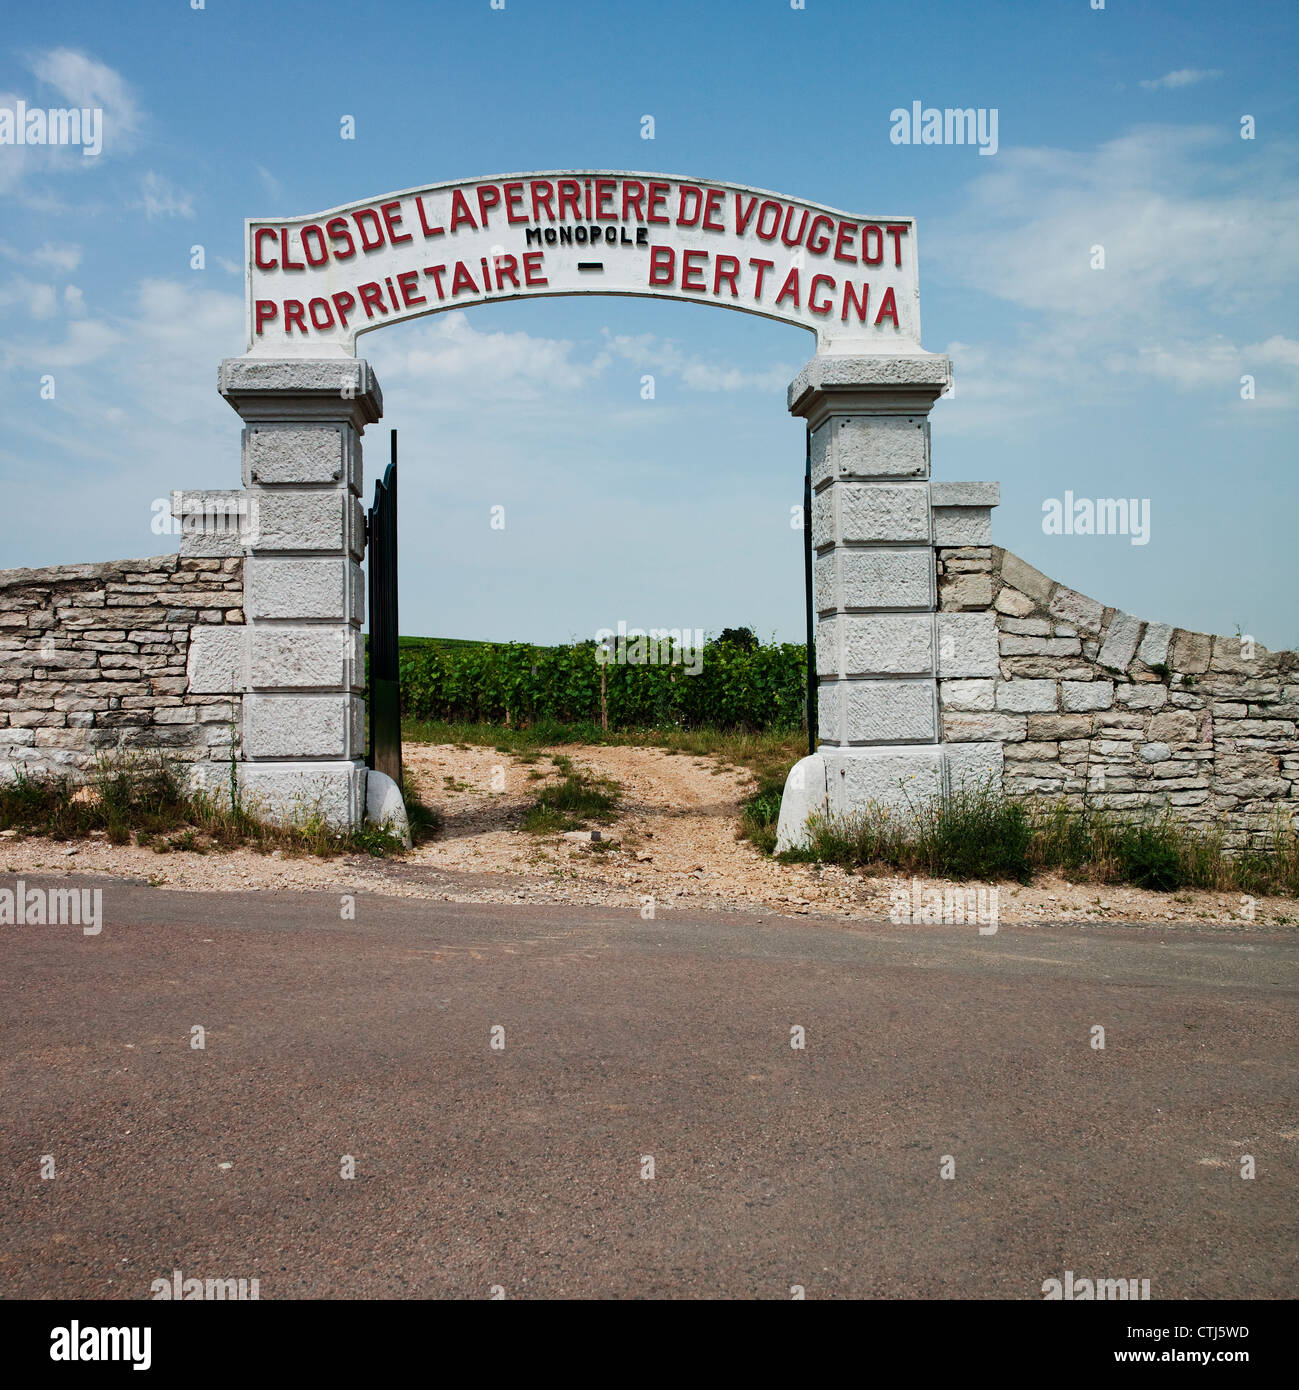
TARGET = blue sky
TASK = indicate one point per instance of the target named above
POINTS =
(1117, 127)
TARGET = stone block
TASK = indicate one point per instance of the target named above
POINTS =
(297, 521)
(1013, 603)
(1143, 696)
(888, 711)
(871, 446)
(972, 695)
(296, 588)
(297, 791)
(1077, 610)
(983, 728)
(1012, 645)
(966, 591)
(882, 512)
(218, 660)
(299, 726)
(881, 644)
(299, 657)
(1191, 652)
(1120, 644)
(1086, 695)
(1022, 576)
(1155, 644)
(973, 765)
(293, 454)
(967, 644)
(1026, 697)
(962, 526)
(847, 578)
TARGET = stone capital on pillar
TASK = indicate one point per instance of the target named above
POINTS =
(335, 388)
(831, 385)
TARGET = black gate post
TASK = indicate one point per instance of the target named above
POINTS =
(384, 685)
(807, 586)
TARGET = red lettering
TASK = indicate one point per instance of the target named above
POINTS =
(257, 249)
(741, 215)
(662, 263)
(532, 269)
(542, 192)
(632, 200)
(775, 226)
(802, 227)
(329, 313)
(790, 289)
(434, 272)
(320, 245)
(462, 280)
(682, 219)
(344, 304)
(889, 306)
(337, 228)
(569, 195)
(811, 294)
(392, 220)
(711, 201)
(843, 241)
(264, 310)
(897, 230)
(376, 230)
(688, 269)
(295, 315)
(424, 222)
(408, 295)
(813, 236)
(726, 268)
(850, 297)
(489, 196)
(507, 265)
(876, 255)
(285, 263)
(604, 190)
(658, 195)
(761, 267)
(514, 203)
(460, 211)
(372, 298)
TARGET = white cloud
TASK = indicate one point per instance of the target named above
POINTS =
(161, 198)
(662, 355)
(448, 352)
(1199, 249)
(47, 256)
(1182, 77)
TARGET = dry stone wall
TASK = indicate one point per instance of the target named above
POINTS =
(93, 660)
(1092, 704)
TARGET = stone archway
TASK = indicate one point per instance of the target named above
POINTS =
(316, 283)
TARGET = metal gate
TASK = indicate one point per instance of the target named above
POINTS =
(384, 684)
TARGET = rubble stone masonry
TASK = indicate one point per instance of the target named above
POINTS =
(1092, 704)
(93, 661)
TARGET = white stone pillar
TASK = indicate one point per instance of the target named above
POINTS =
(300, 657)
(880, 642)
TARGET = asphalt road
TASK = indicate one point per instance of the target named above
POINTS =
(522, 1167)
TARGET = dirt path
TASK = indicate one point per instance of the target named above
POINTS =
(673, 844)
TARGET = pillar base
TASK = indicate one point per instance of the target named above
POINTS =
(288, 792)
(843, 782)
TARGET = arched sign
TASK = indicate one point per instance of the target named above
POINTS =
(316, 282)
